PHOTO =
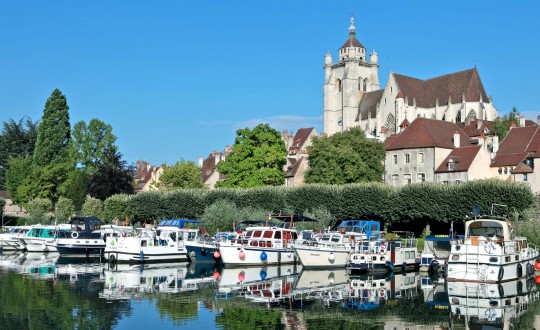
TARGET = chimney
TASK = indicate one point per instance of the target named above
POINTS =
(200, 161)
(495, 144)
(478, 123)
(521, 121)
(481, 139)
(538, 120)
(217, 157)
(456, 139)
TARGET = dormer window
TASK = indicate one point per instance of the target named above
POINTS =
(451, 165)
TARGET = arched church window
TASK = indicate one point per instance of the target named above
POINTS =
(458, 116)
(365, 84)
(338, 83)
(391, 124)
(472, 114)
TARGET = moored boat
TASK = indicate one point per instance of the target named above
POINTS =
(39, 236)
(385, 255)
(9, 240)
(334, 248)
(490, 252)
(434, 256)
(263, 245)
(146, 245)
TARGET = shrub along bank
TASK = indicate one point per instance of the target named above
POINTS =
(410, 207)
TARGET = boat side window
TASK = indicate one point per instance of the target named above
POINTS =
(277, 235)
(143, 242)
(257, 234)
(173, 236)
(325, 238)
(345, 240)
(191, 236)
(267, 234)
(248, 234)
(335, 238)
(294, 236)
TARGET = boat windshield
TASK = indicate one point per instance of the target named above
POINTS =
(485, 228)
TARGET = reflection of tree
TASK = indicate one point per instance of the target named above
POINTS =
(184, 306)
(29, 303)
(249, 316)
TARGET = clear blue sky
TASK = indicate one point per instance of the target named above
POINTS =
(176, 79)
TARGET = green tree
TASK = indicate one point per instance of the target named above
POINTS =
(345, 157)
(19, 181)
(38, 209)
(64, 209)
(54, 132)
(92, 207)
(75, 187)
(256, 159)
(501, 126)
(16, 140)
(91, 142)
(112, 176)
(183, 174)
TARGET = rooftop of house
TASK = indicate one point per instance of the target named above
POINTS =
(462, 157)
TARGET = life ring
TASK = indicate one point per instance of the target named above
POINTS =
(382, 293)
(489, 247)
(382, 248)
(74, 234)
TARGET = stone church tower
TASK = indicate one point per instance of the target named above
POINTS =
(345, 81)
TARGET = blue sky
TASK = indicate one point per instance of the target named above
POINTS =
(176, 79)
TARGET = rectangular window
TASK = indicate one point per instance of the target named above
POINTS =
(406, 178)
(395, 159)
(395, 179)
(407, 158)
(420, 158)
(525, 177)
(420, 177)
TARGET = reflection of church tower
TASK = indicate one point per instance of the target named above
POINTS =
(345, 81)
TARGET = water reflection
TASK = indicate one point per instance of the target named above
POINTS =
(87, 293)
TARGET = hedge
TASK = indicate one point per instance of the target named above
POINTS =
(415, 204)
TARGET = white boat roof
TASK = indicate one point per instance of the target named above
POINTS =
(489, 227)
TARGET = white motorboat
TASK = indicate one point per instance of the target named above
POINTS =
(145, 245)
(490, 252)
(334, 248)
(385, 255)
(9, 240)
(263, 245)
(434, 256)
(41, 238)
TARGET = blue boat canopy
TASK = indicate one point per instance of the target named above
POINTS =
(369, 227)
(180, 223)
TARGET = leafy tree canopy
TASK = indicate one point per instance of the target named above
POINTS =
(183, 174)
(16, 140)
(502, 125)
(91, 141)
(256, 159)
(112, 176)
(345, 157)
(54, 132)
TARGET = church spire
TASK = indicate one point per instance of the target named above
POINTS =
(352, 29)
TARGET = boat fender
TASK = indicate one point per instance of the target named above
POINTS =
(530, 269)
(263, 275)
(264, 256)
(217, 254)
(241, 255)
(519, 270)
(74, 234)
(501, 273)
(501, 290)
(112, 260)
(331, 257)
(519, 288)
(141, 255)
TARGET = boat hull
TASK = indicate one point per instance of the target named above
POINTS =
(253, 256)
(13, 244)
(145, 256)
(36, 244)
(313, 257)
(79, 246)
(202, 252)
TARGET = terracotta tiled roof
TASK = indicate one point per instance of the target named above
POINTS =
(463, 159)
(293, 168)
(508, 159)
(425, 133)
(389, 140)
(301, 137)
(520, 142)
(473, 130)
(522, 168)
(453, 85)
(530, 123)
(368, 104)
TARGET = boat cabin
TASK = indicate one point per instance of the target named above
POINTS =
(269, 237)
(484, 229)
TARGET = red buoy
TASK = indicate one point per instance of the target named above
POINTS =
(537, 265)
(241, 276)
(241, 255)
(537, 279)
(216, 275)
(216, 254)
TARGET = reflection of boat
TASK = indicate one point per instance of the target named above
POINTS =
(491, 304)
(368, 291)
(11, 259)
(324, 285)
(261, 284)
(385, 255)
(435, 295)
(490, 253)
(132, 283)
(38, 264)
(335, 247)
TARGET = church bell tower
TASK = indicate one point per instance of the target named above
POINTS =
(345, 81)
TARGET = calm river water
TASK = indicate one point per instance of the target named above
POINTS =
(43, 291)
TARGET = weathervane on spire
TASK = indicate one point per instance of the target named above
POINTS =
(352, 29)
